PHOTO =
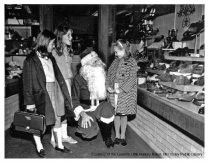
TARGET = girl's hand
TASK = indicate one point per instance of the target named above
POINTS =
(117, 91)
(110, 90)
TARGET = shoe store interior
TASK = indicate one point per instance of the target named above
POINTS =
(167, 43)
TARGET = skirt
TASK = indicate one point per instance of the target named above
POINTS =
(50, 86)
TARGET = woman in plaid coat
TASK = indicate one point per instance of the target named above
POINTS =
(121, 84)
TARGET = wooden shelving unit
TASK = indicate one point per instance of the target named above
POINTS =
(184, 88)
(197, 59)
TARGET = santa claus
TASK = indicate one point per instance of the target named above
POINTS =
(91, 109)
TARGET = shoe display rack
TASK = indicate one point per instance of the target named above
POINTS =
(184, 88)
(159, 72)
(182, 115)
(167, 57)
(193, 56)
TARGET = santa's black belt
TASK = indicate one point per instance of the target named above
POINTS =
(88, 102)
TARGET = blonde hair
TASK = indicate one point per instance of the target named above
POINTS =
(123, 44)
(43, 40)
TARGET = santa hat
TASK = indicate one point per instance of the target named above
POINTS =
(87, 56)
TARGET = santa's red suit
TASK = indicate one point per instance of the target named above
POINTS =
(89, 96)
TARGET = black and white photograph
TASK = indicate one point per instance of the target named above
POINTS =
(104, 81)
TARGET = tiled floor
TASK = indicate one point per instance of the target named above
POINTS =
(21, 146)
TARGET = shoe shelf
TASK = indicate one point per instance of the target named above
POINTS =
(168, 49)
(183, 115)
(184, 88)
(159, 72)
(194, 36)
(197, 59)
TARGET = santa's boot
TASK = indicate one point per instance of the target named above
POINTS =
(106, 130)
(65, 137)
(58, 138)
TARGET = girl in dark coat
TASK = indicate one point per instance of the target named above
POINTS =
(45, 88)
(121, 84)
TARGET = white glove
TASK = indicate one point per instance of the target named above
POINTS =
(110, 90)
(30, 107)
(92, 108)
(117, 91)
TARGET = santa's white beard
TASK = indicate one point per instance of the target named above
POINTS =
(95, 77)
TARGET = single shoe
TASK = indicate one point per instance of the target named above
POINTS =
(109, 143)
(200, 96)
(123, 142)
(41, 153)
(200, 81)
(187, 97)
(199, 69)
(159, 91)
(117, 141)
(152, 86)
(198, 103)
(171, 90)
(201, 110)
(64, 150)
(164, 94)
(165, 77)
(187, 69)
(161, 67)
(181, 80)
(176, 95)
(69, 139)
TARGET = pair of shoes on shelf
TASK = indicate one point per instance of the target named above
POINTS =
(187, 97)
(69, 139)
(64, 150)
(182, 80)
(175, 95)
(41, 153)
(117, 141)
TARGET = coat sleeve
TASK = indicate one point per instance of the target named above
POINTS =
(107, 79)
(27, 84)
(108, 76)
(75, 93)
(132, 79)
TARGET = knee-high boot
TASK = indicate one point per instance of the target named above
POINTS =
(106, 130)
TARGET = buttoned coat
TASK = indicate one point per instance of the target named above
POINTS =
(35, 92)
(127, 98)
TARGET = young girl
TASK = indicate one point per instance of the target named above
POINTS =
(42, 91)
(121, 84)
(63, 58)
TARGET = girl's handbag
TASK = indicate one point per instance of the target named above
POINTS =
(29, 122)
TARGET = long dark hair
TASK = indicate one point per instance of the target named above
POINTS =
(123, 44)
(61, 30)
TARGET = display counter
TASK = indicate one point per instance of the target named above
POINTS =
(170, 127)
(13, 99)
(182, 115)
